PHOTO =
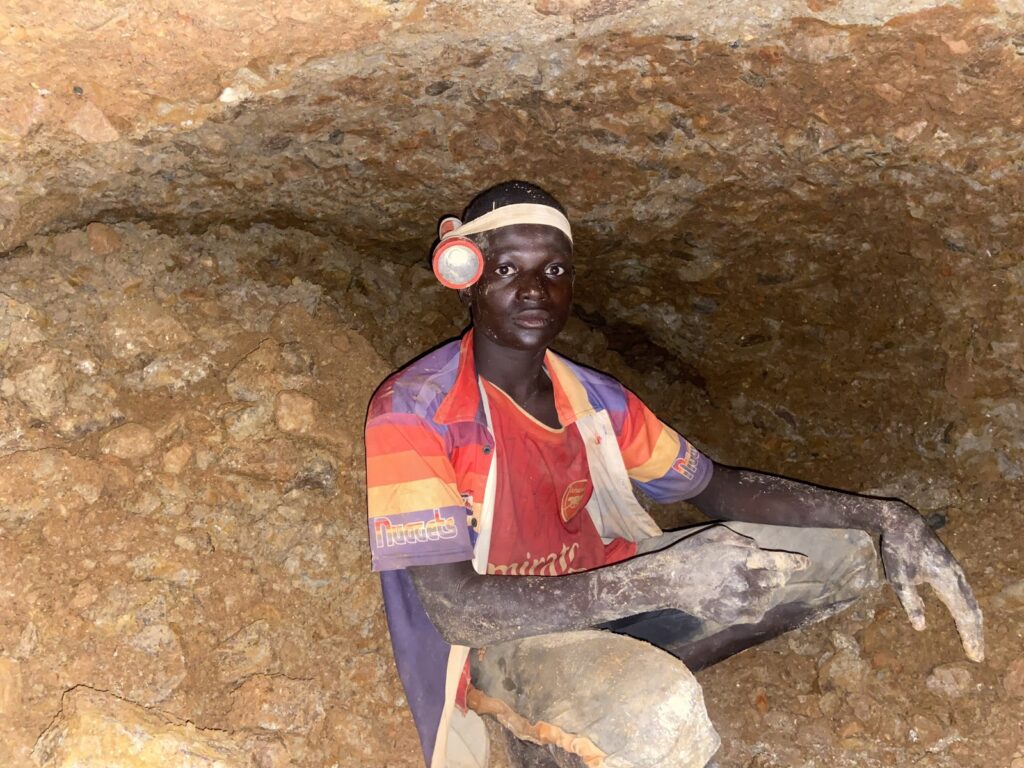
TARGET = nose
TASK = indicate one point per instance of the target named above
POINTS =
(532, 286)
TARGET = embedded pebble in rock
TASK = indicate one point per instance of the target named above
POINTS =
(92, 125)
(295, 412)
(46, 482)
(1011, 595)
(1013, 680)
(277, 703)
(129, 441)
(10, 686)
(177, 458)
(844, 670)
(247, 652)
(40, 386)
(950, 680)
(103, 240)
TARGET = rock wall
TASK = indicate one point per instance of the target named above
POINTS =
(777, 206)
(182, 512)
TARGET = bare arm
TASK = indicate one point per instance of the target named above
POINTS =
(718, 575)
(755, 497)
(911, 552)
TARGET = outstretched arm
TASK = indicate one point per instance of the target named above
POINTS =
(718, 574)
(911, 552)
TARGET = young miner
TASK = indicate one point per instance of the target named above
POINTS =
(522, 578)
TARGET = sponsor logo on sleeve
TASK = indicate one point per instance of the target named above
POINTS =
(686, 465)
(433, 527)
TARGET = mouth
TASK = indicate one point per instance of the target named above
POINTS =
(532, 318)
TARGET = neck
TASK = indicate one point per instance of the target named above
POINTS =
(518, 372)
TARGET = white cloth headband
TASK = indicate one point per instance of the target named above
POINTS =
(506, 216)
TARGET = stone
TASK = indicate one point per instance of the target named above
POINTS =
(174, 372)
(152, 665)
(246, 653)
(20, 324)
(129, 441)
(177, 458)
(276, 459)
(141, 325)
(89, 406)
(276, 703)
(269, 369)
(295, 412)
(10, 686)
(41, 386)
(925, 730)
(1013, 680)
(1010, 595)
(844, 670)
(103, 239)
(950, 680)
(99, 730)
(92, 125)
(47, 481)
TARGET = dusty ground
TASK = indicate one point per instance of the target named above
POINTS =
(181, 526)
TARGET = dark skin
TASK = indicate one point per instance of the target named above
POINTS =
(518, 307)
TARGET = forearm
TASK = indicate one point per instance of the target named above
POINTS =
(474, 610)
(747, 496)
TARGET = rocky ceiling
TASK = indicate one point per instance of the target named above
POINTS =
(789, 197)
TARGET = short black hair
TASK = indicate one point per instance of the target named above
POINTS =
(509, 193)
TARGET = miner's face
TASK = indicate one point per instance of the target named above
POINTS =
(523, 298)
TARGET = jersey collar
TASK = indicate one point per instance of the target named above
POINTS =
(462, 403)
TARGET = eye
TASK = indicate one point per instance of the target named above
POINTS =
(504, 270)
(556, 270)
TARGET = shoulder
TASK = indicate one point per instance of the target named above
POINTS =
(603, 390)
(419, 387)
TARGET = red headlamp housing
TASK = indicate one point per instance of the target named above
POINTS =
(458, 263)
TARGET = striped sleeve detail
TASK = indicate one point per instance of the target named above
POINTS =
(660, 456)
(396, 498)
(648, 446)
(416, 513)
(664, 464)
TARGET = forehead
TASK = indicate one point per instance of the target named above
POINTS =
(536, 240)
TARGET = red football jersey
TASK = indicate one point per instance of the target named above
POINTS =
(541, 526)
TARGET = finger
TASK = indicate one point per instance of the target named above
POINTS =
(955, 593)
(906, 593)
(897, 573)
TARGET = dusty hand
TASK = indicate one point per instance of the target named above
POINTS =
(725, 577)
(913, 555)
